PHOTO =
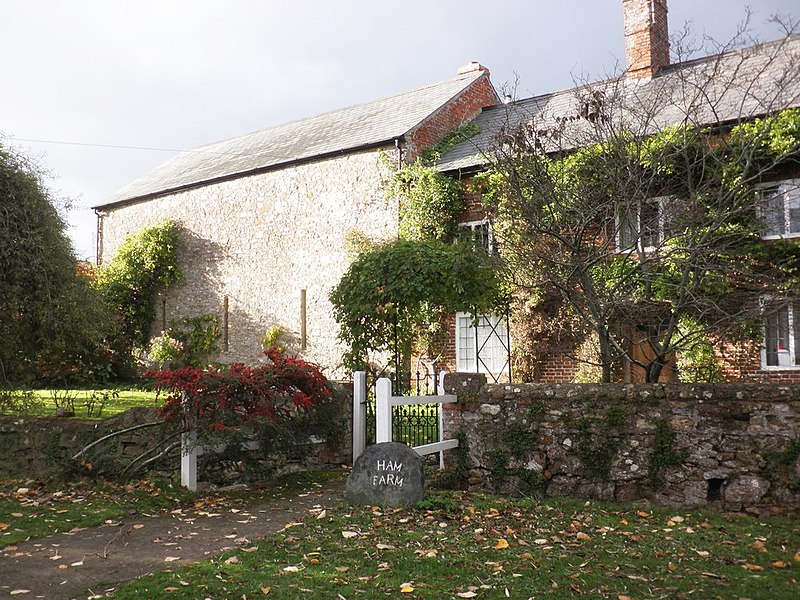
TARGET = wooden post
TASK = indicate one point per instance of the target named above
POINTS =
(303, 320)
(188, 448)
(359, 413)
(383, 410)
(225, 324)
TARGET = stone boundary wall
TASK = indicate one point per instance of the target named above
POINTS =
(42, 447)
(735, 446)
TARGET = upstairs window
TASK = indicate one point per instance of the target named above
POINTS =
(780, 209)
(646, 225)
(479, 232)
(782, 336)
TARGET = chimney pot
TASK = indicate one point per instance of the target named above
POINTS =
(471, 67)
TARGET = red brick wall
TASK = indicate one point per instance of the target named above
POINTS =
(646, 36)
(461, 109)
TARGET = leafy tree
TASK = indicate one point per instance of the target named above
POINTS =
(396, 293)
(52, 324)
(636, 228)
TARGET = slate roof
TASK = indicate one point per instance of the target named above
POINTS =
(369, 124)
(715, 90)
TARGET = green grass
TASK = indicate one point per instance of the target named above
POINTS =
(30, 510)
(46, 402)
(472, 546)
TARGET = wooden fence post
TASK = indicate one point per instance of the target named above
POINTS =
(359, 413)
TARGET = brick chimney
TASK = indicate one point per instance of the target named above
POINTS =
(646, 37)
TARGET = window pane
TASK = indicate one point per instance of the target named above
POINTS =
(777, 333)
(649, 225)
(796, 328)
(772, 211)
(793, 207)
(627, 227)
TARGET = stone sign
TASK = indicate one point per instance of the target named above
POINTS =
(387, 474)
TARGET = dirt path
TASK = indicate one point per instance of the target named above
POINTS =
(91, 562)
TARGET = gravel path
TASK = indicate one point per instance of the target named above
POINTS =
(91, 562)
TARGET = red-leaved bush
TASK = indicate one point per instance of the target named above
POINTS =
(227, 397)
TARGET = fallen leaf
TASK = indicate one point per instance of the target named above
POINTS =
(702, 553)
(643, 514)
(796, 557)
(501, 544)
(77, 564)
(322, 514)
(250, 549)
(172, 558)
(406, 588)
(291, 569)
(266, 590)
(63, 567)
(466, 594)
(526, 556)
(584, 537)
(16, 592)
(4, 526)
(138, 526)
(17, 514)
(623, 597)
(343, 569)
(171, 589)
(384, 547)
(779, 564)
(349, 534)
(233, 560)
(752, 567)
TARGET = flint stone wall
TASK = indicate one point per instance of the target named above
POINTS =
(262, 238)
(735, 446)
(41, 447)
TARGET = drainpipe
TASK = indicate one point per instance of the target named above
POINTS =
(99, 247)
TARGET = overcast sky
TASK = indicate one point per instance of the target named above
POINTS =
(101, 91)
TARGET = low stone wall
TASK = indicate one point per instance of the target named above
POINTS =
(41, 447)
(736, 446)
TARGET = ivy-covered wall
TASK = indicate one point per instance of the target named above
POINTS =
(736, 446)
(43, 447)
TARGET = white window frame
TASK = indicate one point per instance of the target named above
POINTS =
(789, 191)
(621, 226)
(473, 225)
(465, 357)
(788, 356)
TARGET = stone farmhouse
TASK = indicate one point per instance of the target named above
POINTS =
(716, 91)
(266, 215)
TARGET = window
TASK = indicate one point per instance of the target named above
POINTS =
(780, 209)
(645, 225)
(479, 232)
(491, 341)
(781, 336)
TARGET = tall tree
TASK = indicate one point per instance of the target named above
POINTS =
(642, 207)
(50, 318)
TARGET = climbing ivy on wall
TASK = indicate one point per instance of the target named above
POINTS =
(430, 202)
(391, 293)
(146, 263)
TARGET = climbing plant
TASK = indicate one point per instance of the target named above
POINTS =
(146, 263)
(430, 202)
(392, 293)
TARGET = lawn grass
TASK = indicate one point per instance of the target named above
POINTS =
(473, 546)
(31, 510)
(118, 400)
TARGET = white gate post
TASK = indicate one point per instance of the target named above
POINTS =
(188, 448)
(359, 413)
(440, 391)
(383, 410)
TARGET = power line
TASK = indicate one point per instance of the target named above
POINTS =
(121, 147)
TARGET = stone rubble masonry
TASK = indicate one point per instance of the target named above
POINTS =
(737, 445)
(43, 446)
(262, 238)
